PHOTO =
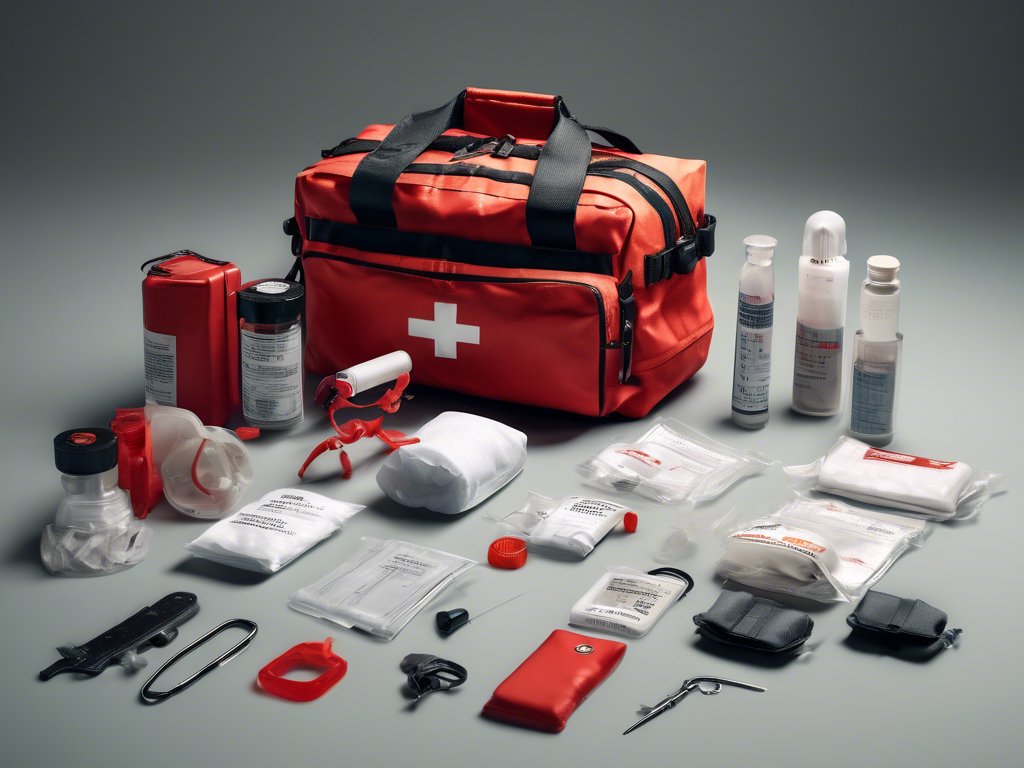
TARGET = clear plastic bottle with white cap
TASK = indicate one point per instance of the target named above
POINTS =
(754, 320)
(821, 317)
(877, 353)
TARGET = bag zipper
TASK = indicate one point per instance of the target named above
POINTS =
(455, 276)
(668, 222)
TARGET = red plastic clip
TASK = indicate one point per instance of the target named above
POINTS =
(136, 470)
(271, 677)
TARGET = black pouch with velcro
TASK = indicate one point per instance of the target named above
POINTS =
(911, 628)
(739, 618)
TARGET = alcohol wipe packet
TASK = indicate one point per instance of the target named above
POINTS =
(267, 535)
(672, 463)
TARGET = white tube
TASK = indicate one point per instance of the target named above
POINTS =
(375, 372)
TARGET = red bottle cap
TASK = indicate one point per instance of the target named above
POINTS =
(271, 677)
(507, 552)
(629, 521)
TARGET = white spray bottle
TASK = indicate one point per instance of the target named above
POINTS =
(821, 317)
(754, 319)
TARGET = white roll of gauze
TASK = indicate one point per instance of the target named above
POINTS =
(461, 459)
(375, 372)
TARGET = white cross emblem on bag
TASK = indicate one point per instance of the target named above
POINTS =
(444, 330)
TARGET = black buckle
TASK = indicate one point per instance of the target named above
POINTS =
(291, 227)
(681, 258)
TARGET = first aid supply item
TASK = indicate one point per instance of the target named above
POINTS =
(821, 317)
(754, 623)
(539, 269)
(449, 621)
(705, 684)
(267, 535)
(877, 354)
(507, 552)
(672, 463)
(205, 470)
(628, 602)
(270, 344)
(754, 321)
(822, 550)
(149, 696)
(94, 532)
(940, 489)
(334, 393)
(304, 655)
(153, 626)
(137, 470)
(572, 524)
(426, 673)
(381, 587)
(191, 334)
(548, 687)
(911, 628)
(458, 461)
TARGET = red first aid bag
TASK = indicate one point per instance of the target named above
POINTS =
(510, 257)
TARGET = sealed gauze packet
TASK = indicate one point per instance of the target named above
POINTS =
(267, 535)
(943, 490)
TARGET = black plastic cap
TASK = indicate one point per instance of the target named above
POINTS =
(271, 302)
(449, 621)
(85, 451)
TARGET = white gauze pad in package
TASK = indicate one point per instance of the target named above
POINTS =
(571, 524)
(940, 489)
(460, 460)
(267, 535)
(628, 602)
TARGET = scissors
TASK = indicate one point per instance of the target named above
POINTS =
(689, 686)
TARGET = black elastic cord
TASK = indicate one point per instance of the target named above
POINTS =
(428, 673)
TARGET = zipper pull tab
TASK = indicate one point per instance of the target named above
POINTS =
(475, 149)
(505, 146)
(627, 319)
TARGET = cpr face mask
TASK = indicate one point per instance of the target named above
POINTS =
(572, 524)
(205, 470)
(943, 490)
(672, 463)
(823, 550)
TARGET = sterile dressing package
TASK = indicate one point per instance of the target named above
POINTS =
(572, 524)
(628, 602)
(940, 489)
(381, 587)
(268, 534)
(823, 550)
(672, 463)
(459, 461)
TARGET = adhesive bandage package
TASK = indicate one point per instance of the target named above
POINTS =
(572, 524)
(381, 587)
(267, 535)
(672, 463)
(823, 550)
(940, 489)
(459, 461)
(628, 602)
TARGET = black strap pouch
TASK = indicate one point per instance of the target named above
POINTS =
(911, 628)
(739, 618)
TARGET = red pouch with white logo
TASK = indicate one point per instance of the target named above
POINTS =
(940, 489)
(510, 257)
(546, 688)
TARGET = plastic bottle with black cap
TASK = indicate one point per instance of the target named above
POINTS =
(270, 326)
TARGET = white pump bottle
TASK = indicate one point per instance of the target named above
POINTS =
(821, 317)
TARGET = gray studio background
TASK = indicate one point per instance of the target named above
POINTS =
(133, 129)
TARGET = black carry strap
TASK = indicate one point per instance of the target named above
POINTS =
(682, 258)
(554, 194)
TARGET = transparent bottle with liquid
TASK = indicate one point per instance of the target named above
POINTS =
(877, 354)
(754, 321)
(821, 317)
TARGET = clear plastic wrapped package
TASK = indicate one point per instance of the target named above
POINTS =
(268, 534)
(942, 490)
(628, 602)
(822, 550)
(572, 524)
(672, 463)
(381, 587)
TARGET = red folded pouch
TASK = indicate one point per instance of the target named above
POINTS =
(556, 678)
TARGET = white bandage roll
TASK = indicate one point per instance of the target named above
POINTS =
(375, 372)
(461, 459)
